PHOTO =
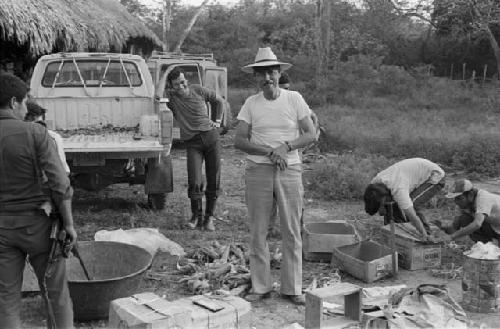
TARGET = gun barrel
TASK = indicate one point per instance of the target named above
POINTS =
(82, 264)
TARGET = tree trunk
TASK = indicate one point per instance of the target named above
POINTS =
(167, 19)
(186, 31)
(496, 48)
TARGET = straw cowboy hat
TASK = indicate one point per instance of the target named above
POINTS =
(265, 57)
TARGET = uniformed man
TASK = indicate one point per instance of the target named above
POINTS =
(29, 167)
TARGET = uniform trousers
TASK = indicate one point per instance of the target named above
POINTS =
(24, 235)
(262, 182)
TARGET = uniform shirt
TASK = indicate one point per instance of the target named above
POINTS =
(403, 177)
(489, 204)
(274, 122)
(27, 153)
(191, 111)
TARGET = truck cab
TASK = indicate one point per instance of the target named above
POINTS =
(200, 69)
(114, 129)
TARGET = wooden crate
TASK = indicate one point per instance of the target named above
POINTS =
(319, 239)
(365, 260)
(315, 319)
(412, 253)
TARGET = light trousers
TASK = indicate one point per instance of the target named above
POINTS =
(262, 182)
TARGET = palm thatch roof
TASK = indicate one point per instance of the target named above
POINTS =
(43, 26)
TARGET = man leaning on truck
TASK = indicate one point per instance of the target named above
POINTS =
(28, 164)
(201, 136)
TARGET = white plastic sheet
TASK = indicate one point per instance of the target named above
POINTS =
(147, 238)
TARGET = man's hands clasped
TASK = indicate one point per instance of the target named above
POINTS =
(278, 156)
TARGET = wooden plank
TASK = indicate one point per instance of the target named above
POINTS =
(338, 289)
(314, 311)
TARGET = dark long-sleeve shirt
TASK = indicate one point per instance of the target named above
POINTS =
(190, 111)
(29, 164)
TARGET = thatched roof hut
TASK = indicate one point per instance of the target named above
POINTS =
(31, 28)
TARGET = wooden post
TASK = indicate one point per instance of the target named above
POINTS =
(463, 71)
(451, 72)
(484, 73)
(393, 240)
(473, 78)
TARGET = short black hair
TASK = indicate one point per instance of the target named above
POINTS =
(284, 78)
(373, 197)
(174, 74)
(34, 110)
(11, 86)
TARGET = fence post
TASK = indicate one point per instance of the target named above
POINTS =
(473, 79)
(484, 73)
(463, 71)
(451, 72)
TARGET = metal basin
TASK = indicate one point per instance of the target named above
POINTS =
(116, 270)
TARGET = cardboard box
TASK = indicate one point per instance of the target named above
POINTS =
(149, 311)
(319, 239)
(365, 260)
(413, 254)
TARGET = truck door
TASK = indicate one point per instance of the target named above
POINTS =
(215, 78)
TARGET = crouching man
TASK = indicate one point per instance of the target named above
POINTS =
(479, 216)
(405, 186)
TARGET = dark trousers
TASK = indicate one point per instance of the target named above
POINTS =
(31, 239)
(420, 196)
(484, 234)
(204, 147)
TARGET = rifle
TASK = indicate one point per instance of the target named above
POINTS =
(61, 246)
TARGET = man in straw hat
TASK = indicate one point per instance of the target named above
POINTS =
(27, 150)
(280, 123)
(405, 186)
(479, 213)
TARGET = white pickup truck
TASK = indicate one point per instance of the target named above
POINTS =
(114, 129)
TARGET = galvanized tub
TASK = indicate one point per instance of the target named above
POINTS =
(481, 285)
(116, 270)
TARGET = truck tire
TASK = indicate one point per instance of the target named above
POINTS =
(157, 201)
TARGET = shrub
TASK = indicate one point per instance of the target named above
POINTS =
(346, 176)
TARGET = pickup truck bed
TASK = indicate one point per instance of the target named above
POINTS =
(112, 142)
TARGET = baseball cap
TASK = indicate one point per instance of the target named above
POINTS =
(460, 186)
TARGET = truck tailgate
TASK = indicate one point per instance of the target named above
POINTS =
(73, 113)
(110, 143)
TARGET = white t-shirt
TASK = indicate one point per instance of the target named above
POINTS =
(489, 204)
(60, 148)
(403, 177)
(274, 121)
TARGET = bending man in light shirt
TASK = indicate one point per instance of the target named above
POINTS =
(409, 183)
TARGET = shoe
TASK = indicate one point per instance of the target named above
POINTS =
(208, 224)
(193, 222)
(197, 214)
(296, 299)
(252, 297)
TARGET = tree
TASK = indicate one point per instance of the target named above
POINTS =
(473, 19)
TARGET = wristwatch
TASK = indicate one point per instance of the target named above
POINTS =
(288, 146)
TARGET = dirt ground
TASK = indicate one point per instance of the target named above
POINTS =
(121, 206)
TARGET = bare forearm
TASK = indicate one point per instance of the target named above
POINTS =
(413, 218)
(469, 229)
(302, 141)
(64, 207)
(248, 147)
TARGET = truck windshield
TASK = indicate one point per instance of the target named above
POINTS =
(94, 73)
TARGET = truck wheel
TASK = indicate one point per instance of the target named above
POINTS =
(157, 201)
